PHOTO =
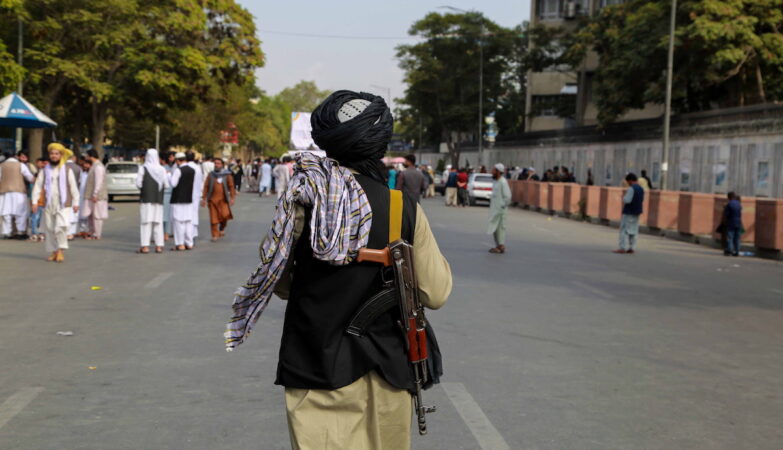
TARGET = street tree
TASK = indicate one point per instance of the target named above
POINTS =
(727, 53)
(304, 96)
(10, 72)
(442, 75)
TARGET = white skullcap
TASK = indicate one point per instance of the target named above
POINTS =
(500, 167)
(351, 109)
(180, 155)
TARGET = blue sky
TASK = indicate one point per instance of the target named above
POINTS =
(355, 64)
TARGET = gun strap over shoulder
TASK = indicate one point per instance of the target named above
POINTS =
(395, 215)
(387, 298)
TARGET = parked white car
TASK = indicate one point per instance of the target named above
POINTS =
(479, 187)
(121, 179)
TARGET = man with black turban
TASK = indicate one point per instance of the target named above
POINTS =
(341, 390)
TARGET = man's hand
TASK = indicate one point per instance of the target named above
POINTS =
(203, 203)
(94, 199)
(76, 208)
(35, 208)
(232, 202)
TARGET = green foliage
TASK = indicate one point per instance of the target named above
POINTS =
(303, 97)
(727, 53)
(118, 66)
(10, 72)
(442, 73)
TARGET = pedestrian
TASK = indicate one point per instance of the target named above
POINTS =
(645, 181)
(152, 180)
(590, 181)
(282, 174)
(35, 217)
(218, 194)
(13, 197)
(207, 166)
(169, 164)
(463, 199)
(182, 181)
(198, 181)
(341, 391)
(451, 187)
(57, 194)
(732, 217)
(238, 172)
(254, 178)
(392, 174)
(430, 176)
(80, 224)
(265, 184)
(498, 209)
(411, 180)
(96, 201)
(633, 205)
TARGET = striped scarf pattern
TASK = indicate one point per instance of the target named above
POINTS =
(340, 226)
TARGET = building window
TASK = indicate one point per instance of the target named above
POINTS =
(558, 105)
(556, 9)
(605, 3)
(549, 9)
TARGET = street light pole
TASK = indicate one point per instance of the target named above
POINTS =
(481, 83)
(667, 115)
(20, 85)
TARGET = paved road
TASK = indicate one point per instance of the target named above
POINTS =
(557, 344)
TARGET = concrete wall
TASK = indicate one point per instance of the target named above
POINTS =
(688, 213)
(749, 165)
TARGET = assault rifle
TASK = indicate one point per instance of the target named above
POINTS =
(402, 291)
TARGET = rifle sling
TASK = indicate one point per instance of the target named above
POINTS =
(387, 298)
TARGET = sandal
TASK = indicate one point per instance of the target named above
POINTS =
(158, 249)
(143, 250)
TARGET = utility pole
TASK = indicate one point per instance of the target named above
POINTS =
(667, 115)
(481, 96)
(20, 86)
(481, 76)
(157, 138)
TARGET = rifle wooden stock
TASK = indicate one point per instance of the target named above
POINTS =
(377, 256)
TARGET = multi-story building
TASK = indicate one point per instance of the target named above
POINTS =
(549, 90)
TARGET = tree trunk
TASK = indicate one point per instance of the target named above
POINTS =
(100, 112)
(36, 137)
(760, 84)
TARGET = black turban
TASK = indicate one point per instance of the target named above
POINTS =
(360, 142)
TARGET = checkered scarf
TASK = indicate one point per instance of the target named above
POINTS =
(340, 226)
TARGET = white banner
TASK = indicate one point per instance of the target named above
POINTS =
(301, 138)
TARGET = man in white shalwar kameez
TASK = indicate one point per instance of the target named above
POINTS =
(13, 196)
(56, 192)
(197, 181)
(498, 209)
(265, 185)
(182, 182)
(96, 196)
(152, 180)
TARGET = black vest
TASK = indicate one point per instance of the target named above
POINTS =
(183, 193)
(636, 206)
(315, 350)
(150, 191)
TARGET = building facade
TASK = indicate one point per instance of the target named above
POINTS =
(550, 89)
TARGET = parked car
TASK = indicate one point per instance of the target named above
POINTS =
(440, 185)
(121, 179)
(479, 187)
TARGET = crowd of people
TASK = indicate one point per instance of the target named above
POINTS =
(417, 181)
(63, 196)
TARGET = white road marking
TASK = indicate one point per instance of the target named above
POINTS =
(485, 433)
(16, 403)
(599, 292)
(157, 281)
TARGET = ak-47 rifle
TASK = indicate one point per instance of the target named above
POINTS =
(403, 290)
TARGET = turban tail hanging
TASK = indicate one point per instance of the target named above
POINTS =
(359, 142)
